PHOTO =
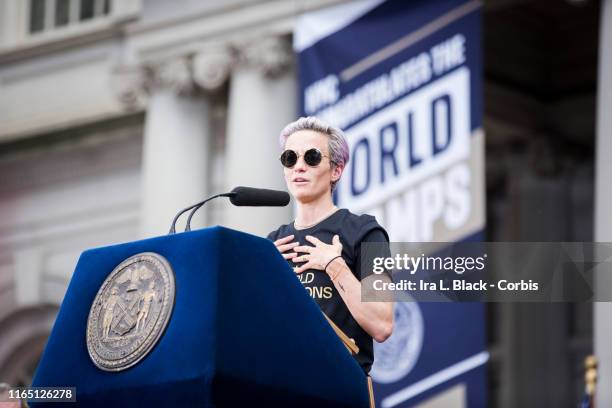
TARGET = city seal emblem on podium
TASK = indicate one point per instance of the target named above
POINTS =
(130, 311)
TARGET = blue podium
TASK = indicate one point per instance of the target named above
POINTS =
(242, 331)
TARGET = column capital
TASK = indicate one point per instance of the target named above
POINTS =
(175, 74)
(212, 66)
(133, 84)
(271, 55)
(129, 84)
(203, 71)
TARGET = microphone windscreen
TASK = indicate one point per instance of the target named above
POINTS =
(259, 197)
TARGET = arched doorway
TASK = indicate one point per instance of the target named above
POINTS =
(23, 335)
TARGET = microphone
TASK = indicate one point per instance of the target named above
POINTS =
(240, 196)
(258, 197)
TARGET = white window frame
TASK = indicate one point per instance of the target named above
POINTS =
(15, 22)
(74, 12)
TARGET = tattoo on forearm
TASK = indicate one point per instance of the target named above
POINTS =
(341, 287)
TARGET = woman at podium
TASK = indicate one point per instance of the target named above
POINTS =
(323, 243)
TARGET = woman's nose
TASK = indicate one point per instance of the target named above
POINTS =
(300, 164)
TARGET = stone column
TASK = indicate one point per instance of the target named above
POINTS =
(177, 133)
(603, 206)
(175, 157)
(262, 100)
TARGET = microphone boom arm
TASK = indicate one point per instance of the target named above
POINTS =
(198, 206)
(195, 207)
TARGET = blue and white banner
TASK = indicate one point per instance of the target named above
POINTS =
(403, 80)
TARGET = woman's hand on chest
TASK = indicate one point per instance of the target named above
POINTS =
(318, 255)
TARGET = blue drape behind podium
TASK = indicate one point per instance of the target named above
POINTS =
(243, 332)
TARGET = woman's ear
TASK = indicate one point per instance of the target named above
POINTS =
(336, 172)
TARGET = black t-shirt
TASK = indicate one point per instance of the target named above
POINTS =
(352, 230)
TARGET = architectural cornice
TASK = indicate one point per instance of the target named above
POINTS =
(147, 40)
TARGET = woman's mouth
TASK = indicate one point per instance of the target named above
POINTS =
(300, 181)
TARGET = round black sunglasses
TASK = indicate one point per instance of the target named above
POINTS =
(312, 157)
